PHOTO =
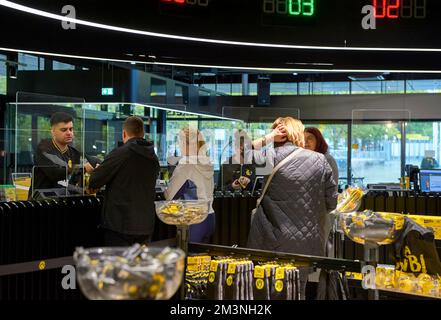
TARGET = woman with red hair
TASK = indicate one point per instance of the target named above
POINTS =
(314, 141)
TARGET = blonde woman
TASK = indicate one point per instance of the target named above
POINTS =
(292, 215)
(193, 179)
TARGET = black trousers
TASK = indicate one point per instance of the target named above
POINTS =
(116, 239)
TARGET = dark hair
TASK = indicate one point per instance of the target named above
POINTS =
(59, 117)
(322, 146)
(134, 126)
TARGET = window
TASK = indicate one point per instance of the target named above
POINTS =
(366, 87)
(219, 136)
(3, 74)
(394, 86)
(224, 88)
(305, 88)
(210, 86)
(27, 62)
(330, 88)
(423, 144)
(62, 66)
(284, 89)
(376, 153)
(236, 89)
(253, 89)
(423, 86)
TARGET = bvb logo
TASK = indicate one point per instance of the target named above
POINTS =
(279, 285)
(229, 281)
(42, 265)
(211, 277)
(259, 284)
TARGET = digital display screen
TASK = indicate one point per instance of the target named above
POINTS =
(430, 180)
(410, 24)
(289, 7)
(404, 9)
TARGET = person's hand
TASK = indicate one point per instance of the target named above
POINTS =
(244, 181)
(88, 168)
(279, 134)
(236, 184)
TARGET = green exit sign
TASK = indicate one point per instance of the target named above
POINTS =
(107, 91)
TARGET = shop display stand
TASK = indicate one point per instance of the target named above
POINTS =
(266, 256)
(371, 257)
(182, 237)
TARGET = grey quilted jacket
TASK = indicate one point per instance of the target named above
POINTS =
(293, 213)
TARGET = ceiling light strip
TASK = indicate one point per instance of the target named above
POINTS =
(220, 66)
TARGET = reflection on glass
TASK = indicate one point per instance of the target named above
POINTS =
(376, 153)
(423, 144)
(336, 136)
(3, 77)
(158, 91)
(181, 94)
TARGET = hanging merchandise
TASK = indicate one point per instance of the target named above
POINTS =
(349, 200)
(236, 288)
(223, 278)
(415, 250)
(198, 269)
(333, 285)
(371, 228)
(215, 279)
(261, 283)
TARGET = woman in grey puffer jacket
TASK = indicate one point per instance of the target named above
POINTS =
(292, 215)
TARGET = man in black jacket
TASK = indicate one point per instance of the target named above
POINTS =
(129, 174)
(56, 158)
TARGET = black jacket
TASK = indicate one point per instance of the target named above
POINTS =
(51, 165)
(130, 174)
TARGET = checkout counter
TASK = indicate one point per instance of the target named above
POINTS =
(67, 218)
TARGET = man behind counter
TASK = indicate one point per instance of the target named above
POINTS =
(129, 174)
(56, 158)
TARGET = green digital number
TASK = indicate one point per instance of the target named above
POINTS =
(308, 7)
(295, 7)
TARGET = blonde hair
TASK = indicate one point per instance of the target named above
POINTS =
(193, 140)
(294, 128)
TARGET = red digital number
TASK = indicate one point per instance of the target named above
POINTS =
(175, 1)
(386, 8)
(393, 9)
(379, 8)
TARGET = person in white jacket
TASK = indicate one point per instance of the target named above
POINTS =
(196, 168)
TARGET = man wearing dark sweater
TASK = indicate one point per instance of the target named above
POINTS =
(129, 174)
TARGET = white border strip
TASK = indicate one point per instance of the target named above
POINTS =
(124, 103)
(220, 67)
